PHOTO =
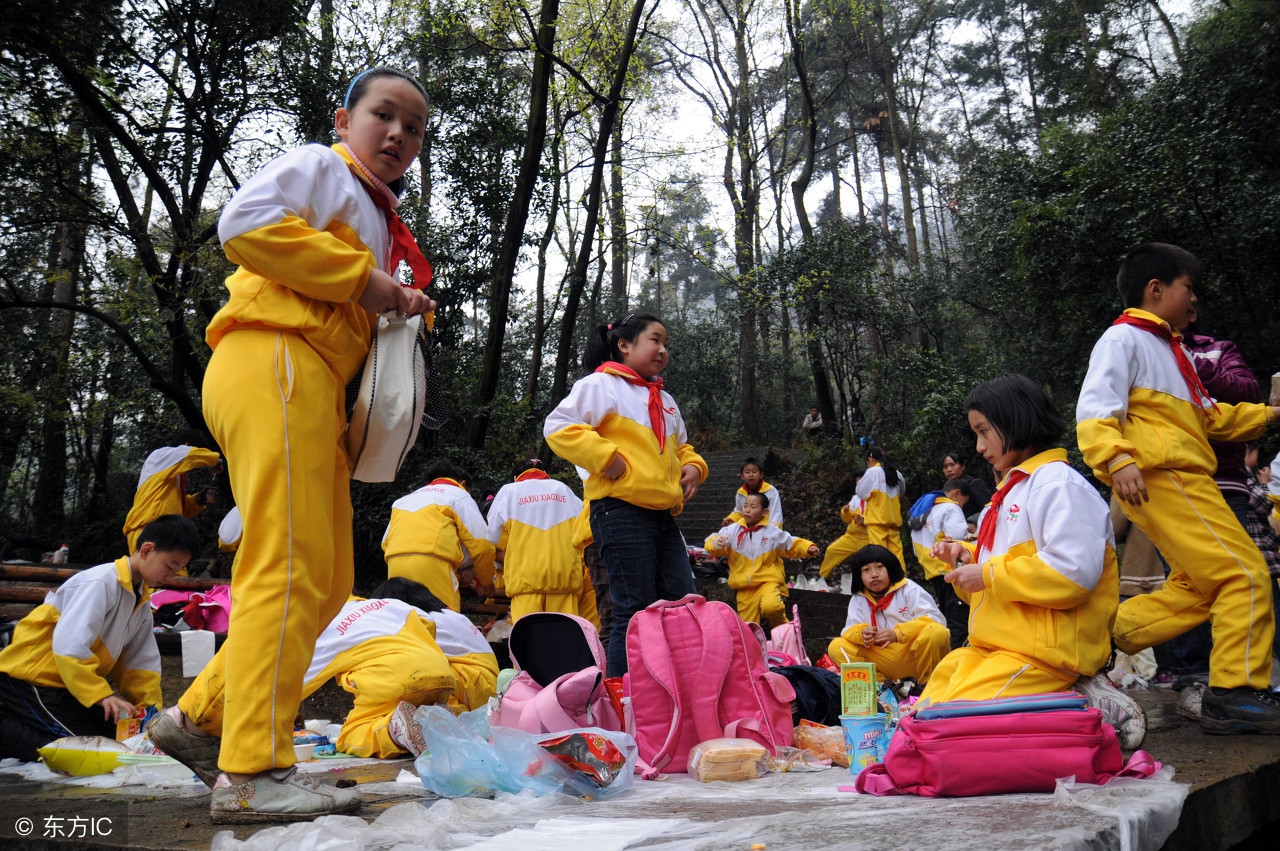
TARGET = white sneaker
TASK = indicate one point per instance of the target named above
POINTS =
(405, 731)
(1118, 709)
(281, 794)
(1189, 700)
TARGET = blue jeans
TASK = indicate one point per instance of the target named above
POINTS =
(646, 559)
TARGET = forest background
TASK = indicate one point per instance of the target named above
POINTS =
(867, 205)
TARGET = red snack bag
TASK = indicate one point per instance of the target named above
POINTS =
(595, 756)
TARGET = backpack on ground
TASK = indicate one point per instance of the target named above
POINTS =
(561, 681)
(697, 673)
(919, 511)
(817, 694)
(786, 638)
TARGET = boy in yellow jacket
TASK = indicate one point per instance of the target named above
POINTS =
(1144, 421)
(855, 535)
(755, 549)
(97, 624)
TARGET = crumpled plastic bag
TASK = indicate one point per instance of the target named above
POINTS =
(1147, 809)
(1134, 671)
(465, 757)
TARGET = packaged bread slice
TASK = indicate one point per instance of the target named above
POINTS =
(727, 759)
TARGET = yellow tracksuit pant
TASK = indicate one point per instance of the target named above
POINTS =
(438, 574)
(1217, 573)
(923, 642)
(971, 673)
(768, 599)
(278, 412)
(477, 675)
(581, 603)
(889, 537)
(842, 548)
(420, 675)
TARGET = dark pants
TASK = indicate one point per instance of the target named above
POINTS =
(955, 610)
(32, 716)
(646, 559)
(600, 583)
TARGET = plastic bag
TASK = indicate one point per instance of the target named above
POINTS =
(728, 759)
(465, 757)
(824, 742)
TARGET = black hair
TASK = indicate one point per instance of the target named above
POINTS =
(446, 469)
(1153, 261)
(602, 342)
(1020, 410)
(957, 484)
(190, 437)
(526, 464)
(752, 462)
(408, 591)
(891, 476)
(171, 533)
(764, 500)
(954, 456)
(873, 553)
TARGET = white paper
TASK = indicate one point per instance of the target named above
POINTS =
(197, 650)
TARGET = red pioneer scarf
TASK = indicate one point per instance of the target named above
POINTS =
(1194, 385)
(531, 473)
(403, 245)
(987, 531)
(747, 530)
(657, 415)
(879, 606)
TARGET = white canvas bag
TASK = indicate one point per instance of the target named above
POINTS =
(389, 405)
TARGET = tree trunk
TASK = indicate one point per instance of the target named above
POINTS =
(517, 216)
(617, 227)
(887, 67)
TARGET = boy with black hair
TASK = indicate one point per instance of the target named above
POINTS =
(434, 530)
(1144, 420)
(752, 474)
(97, 624)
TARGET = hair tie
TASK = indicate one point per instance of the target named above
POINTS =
(346, 101)
(609, 327)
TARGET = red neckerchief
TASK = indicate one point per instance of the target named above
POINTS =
(403, 245)
(657, 415)
(882, 604)
(1194, 385)
(747, 530)
(987, 531)
(443, 481)
(531, 473)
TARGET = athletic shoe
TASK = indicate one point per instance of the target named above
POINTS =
(199, 753)
(1118, 709)
(281, 794)
(1190, 699)
(1239, 710)
(405, 731)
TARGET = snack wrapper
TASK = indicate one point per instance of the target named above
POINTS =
(594, 756)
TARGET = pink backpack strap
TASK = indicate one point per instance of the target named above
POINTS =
(875, 780)
(717, 658)
(1141, 765)
(656, 657)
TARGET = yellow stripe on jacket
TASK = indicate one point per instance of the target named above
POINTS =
(92, 627)
(1052, 583)
(757, 557)
(1135, 408)
(534, 522)
(604, 416)
(305, 235)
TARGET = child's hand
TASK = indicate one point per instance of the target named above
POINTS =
(884, 637)
(860, 520)
(727, 521)
(947, 550)
(966, 577)
(1129, 486)
(869, 636)
(722, 542)
(384, 293)
(814, 551)
(116, 707)
(690, 478)
(615, 469)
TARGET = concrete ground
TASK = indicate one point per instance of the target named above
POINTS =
(1234, 780)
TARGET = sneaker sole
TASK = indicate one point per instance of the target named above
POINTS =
(254, 817)
(1233, 726)
(172, 740)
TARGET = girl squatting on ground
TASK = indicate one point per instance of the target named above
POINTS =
(619, 425)
(317, 243)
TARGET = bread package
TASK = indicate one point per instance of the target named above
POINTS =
(727, 759)
(826, 742)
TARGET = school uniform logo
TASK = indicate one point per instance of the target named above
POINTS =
(1014, 512)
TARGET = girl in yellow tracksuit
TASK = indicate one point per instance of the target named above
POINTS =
(531, 525)
(434, 530)
(855, 534)
(881, 489)
(756, 548)
(316, 242)
(619, 425)
(162, 487)
(1041, 581)
(892, 621)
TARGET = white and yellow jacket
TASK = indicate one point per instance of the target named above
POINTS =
(1051, 580)
(439, 519)
(1135, 408)
(604, 416)
(306, 235)
(881, 500)
(533, 522)
(944, 520)
(470, 656)
(160, 485)
(772, 509)
(909, 603)
(756, 554)
(92, 627)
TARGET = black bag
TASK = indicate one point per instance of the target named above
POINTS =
(817, 693)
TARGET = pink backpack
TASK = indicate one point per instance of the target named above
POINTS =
(787, 642)
(561, 681)
(962, 756)
(697, 673)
